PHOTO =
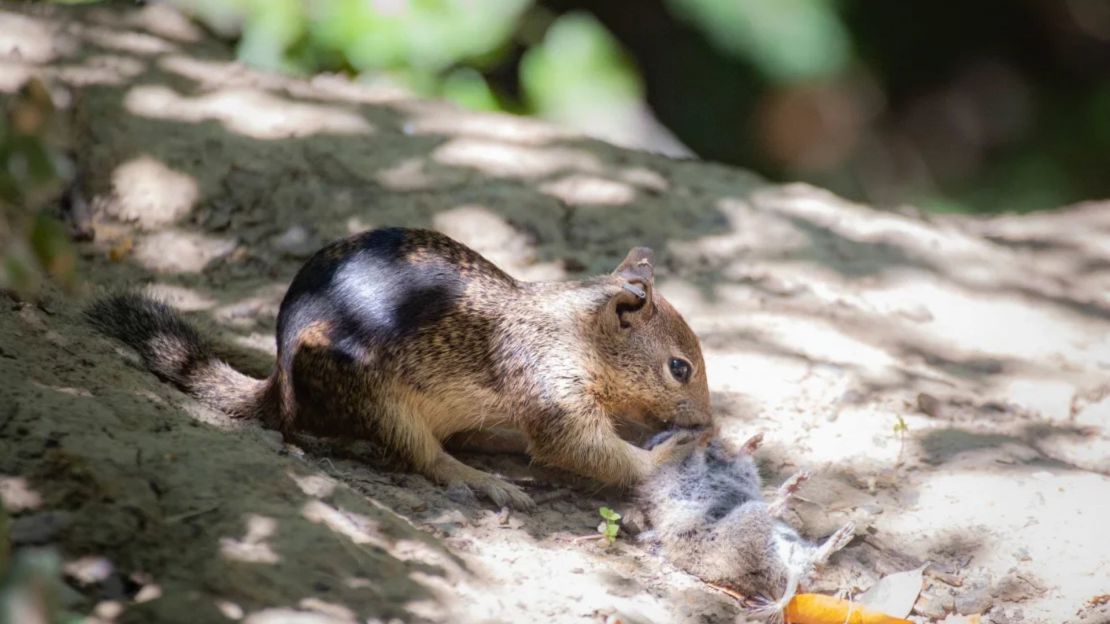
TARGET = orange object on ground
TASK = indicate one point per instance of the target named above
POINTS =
(821, 609)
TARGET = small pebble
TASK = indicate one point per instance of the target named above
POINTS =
(929, 405)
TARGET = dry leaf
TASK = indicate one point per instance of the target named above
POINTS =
(895, 593)
(820, 609)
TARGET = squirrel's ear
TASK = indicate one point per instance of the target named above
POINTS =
(632, 305)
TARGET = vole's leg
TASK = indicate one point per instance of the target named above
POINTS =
(752, 443)
(407, 427)
(836, 541)
(790, 487)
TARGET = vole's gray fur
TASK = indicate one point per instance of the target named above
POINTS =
(405, 337)
(707, 515)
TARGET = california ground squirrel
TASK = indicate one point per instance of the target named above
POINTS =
(707, 514)
(404, 337)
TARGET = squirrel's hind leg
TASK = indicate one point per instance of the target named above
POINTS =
(405, 422)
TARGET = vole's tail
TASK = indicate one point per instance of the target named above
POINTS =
(173, 349)
(774, 612)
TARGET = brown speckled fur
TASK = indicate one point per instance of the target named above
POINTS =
(453, 344)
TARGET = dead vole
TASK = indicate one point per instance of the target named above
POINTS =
(707, 515)
(405, 337)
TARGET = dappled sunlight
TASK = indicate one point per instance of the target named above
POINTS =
(768, 379)
(229, 609)
(254, 547)
(257, 341)
(647, 179)
(293, 616)
(979, 322)
(250, 112)
(125, 41)
(29, 40)
(494, 237)
(26, 44)
(1051, 398)
(331, 609)
(151, 194)
(863, 224)
(89, 570)
(105, 69)
(1056, 514)
(67, 390)
(429, 610)
(745, 232)
(181, 297)
(355, 527)
(410, 174)
(822, 341)
(861, 436)
(17, 495)
(244, 313)
(107, 611)
(203, 414)
(436, 119)
(158, 19)
(314, 485)
(180, 251)
(515, 161)
(584, 189)
(1094, 413)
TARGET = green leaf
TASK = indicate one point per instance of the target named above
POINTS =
(901, 426)
(609, 514)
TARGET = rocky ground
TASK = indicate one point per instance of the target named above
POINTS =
(947, 379)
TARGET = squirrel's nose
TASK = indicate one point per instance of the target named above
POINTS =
(688, 414)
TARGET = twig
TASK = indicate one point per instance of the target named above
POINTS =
(726, 591)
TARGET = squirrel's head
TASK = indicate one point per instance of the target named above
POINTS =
(653, 364)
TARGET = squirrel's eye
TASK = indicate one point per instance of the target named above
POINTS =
(680, 369)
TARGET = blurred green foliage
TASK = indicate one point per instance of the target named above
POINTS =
(31, 587)
(577, 68)
(33, 244)
(422, 44)
(787, 40)
(991, 106)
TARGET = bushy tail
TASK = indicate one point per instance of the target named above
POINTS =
(176, 352)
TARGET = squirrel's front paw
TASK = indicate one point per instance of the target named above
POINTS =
(679, 444)
(503, 494)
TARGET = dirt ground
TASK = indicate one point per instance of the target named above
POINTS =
(825, 324)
